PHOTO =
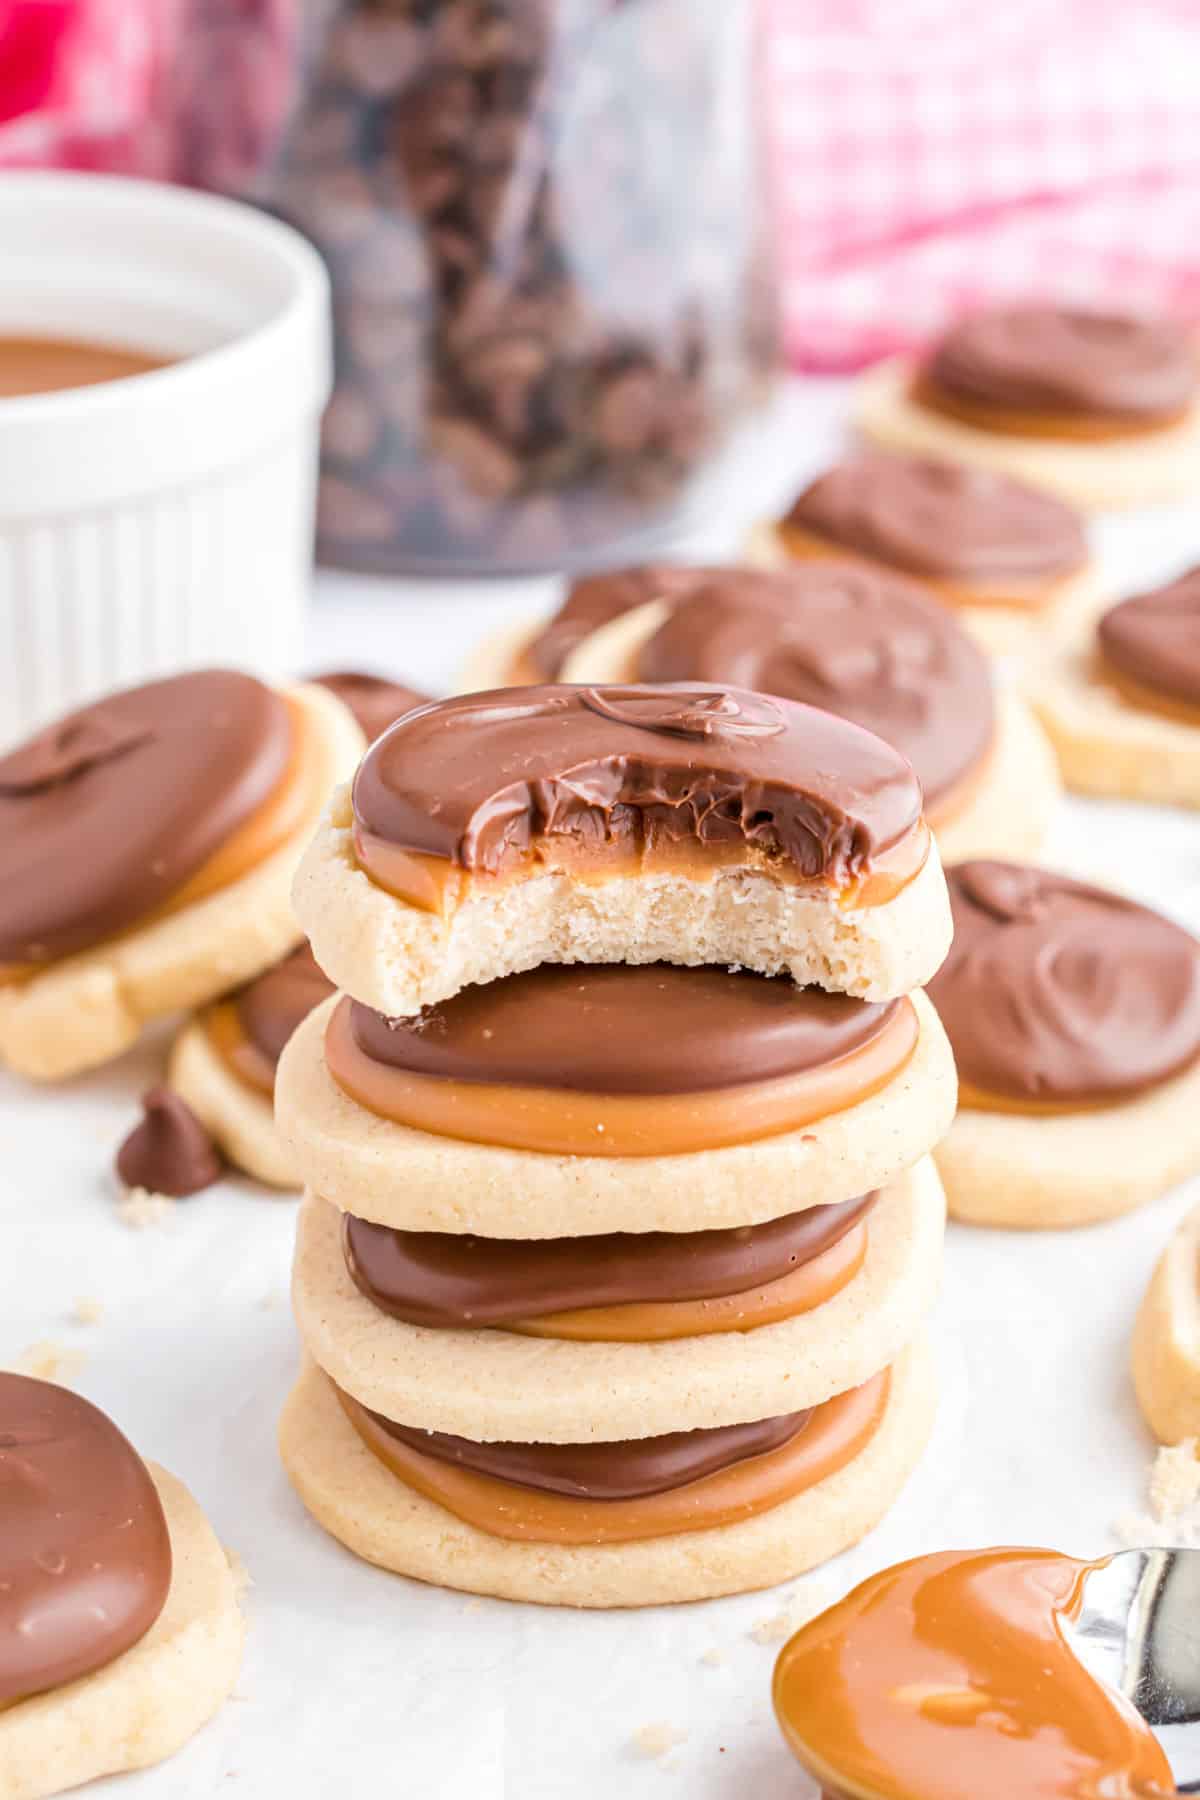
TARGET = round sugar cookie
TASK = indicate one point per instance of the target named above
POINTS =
(1166, 1339)
(395, 1175)
(1148, 468)
(149, 1701)
(359, 1501)
(500, 1385)
(87, 1008)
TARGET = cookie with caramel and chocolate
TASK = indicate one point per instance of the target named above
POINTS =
(687, 822)
(681, 1515)
(147, 846)
(876, 649)
(1074, 1017)
(223, 1064)
(1007, 559)
(120, 1630)
(1120, 698)
(1166, 1339)
(1102, 409)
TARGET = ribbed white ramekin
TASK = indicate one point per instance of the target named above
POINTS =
(164, 521)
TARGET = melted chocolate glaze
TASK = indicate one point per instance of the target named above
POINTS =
(375, 701)
(1056, 991)
(942, 520)
(1059, 360)
(85, 1557)
(1154, 639)
(270, 1007)
(614, 1471)
(436, 1279)
(480, 778)
(596, 600)
(105, 815)
(867, 645)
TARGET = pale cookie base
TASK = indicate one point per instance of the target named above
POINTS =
(498, 1385)
(372, 1512)
(1166, 1340)
(1058, 1169)
(415, 1181)
(88, 1008)
(1010, 811)
(1000, 630)
(397, 958)
(1146, 470)
(152, 1699)
(490, 663)
(1104, 745)
(238, 1117)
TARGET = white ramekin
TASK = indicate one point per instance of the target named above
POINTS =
(164, 521)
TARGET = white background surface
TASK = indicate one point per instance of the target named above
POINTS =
(357, 1683)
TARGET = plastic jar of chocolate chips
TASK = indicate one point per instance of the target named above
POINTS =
(552, 291)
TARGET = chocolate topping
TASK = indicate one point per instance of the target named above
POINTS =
(1054, 991)
(436, 1279)
(596, 600)
(1154, 638)
(616, 1028)
(942, 521)
(1057, 360)
(104, 816)
(169, 1151)
(270, 1008)
(479, 778)
(615, 1471)
(375, 701)
(864, 644)
(85, 1557)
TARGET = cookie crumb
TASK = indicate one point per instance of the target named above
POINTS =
(87, 1311)
(712, 1659)
(139, 1208)
(49, 1360)
(655, 1740)
(1174, 1492)
(804, 1604)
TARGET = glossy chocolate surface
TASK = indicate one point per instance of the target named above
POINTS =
(375, 701)
(1153, 639)
(270, 1008)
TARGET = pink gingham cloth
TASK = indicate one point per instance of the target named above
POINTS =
(930, 155)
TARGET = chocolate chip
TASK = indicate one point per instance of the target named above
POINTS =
(169, 1151)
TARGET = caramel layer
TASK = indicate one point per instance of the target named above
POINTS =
(1031, 596)
(650, 1322)
(973, 1099)
(435, 884)
(559, 1122)
(836, 1433)
(1078, 428)
(1144, 699)
(241, 1057)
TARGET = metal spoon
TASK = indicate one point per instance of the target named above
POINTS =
(1138, 1630)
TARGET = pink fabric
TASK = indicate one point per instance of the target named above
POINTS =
(929, 155)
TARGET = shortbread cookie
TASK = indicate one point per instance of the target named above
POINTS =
(355, 1496)
(223, 1063)
(1166, 1340)
(375, 701)
(420, 1181)
(536, 650)
(501, 1384)
(1100, 410)
(695, 824)
(147, 846)
(876, 649)
(1120, 698)
(1009, 560)
(96, 1690)
(1074, 1015)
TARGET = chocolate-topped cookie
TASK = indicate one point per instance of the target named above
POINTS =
(375, 701)
(1152, 642)
(147, 845)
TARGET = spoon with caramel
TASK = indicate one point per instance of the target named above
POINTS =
(992, 1674)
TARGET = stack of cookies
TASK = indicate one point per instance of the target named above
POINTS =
(621, 1225)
